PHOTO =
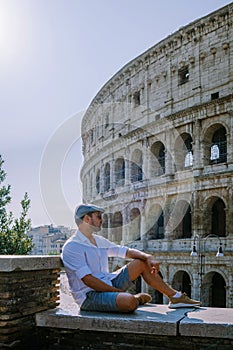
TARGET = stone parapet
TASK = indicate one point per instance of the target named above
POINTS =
(151, 326)
(30, 317)
(28, 284)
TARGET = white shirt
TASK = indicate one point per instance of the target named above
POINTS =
(80, 258)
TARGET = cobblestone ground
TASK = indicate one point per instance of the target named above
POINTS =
(66, 299)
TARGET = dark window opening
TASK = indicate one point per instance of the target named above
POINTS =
(136, 98)
(161, 158)
(187, 224)
(218, 291)
(136, 173)
(184, 227)
(183, 75)
(218, 151)
(218, 218)
(98, 182)
(107, 178)
(120, 172)
(188, 161)
(106, 121)
(215, 96)
(92, 135)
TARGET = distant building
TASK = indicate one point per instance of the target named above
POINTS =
(49, 240)
(158, 156)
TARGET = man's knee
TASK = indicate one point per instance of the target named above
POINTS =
(126, 302)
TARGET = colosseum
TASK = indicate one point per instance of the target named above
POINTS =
(158, 156)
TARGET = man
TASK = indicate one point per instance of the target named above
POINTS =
(94, 288)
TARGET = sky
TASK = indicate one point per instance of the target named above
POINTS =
(55, 55)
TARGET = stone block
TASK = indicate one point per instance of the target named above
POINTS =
(208, 322)
(149, 319)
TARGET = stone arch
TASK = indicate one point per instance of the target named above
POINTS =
(213, 290)
(104, 225)
(97, 181)
(183, 152)
(182, 282)
(215, 144)
(86, 191)
(117, 223)
(136, 164)
(155, 223)
(182, 220)
(218, 222)
(135, 224)
(106, 177)
(158, 160)
(120, 171)
(215, 218)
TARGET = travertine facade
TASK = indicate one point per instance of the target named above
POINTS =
(158, 156)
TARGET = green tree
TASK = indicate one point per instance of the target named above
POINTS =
(13, 237)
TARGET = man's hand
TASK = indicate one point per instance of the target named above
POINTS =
(149, 259)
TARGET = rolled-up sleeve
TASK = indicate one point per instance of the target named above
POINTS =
(118, 251)
(75, 261)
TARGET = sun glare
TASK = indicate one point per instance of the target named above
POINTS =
(11, 31)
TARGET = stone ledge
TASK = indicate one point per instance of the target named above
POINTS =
(9, 263)
(148, 319)
(208, 322)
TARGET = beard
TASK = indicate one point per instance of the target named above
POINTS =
(94, 227)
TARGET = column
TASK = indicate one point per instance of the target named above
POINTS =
(230, 140)
(127, 167)
(112, 175)
(197, 151)
(229, 291)
(195, 287)
(101, 177)
(169, 156)
(125, 233)
(143, 230)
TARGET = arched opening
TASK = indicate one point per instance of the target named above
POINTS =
(182, 220)
(135, 224)
(155, 223)
(97, 182)
(181, 282)
(218, 291)
(107, 177)
(158, 161)
(215, 145)
(136, 173)
(218, 222)
(218, 150)
(117, 227)
(213, 290)
(183, 152)
(120, 172)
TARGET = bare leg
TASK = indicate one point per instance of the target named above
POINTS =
(126, 302)
(138, 267)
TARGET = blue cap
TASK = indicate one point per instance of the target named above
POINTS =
(84, 209)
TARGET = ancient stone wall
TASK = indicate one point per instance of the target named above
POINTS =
(158, 150)
(27, 285)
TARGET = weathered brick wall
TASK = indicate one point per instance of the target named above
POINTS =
(63, 339)
(22, 294)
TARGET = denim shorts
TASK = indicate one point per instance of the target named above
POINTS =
(106, 301)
